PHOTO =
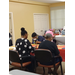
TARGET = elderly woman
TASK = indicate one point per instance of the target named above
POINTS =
(47, 44)
(53, 37)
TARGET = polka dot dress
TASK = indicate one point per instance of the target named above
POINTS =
(23, 47)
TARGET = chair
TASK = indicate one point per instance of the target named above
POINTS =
(45, 56)
(15, 60)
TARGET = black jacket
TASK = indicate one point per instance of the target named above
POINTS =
(10, 43)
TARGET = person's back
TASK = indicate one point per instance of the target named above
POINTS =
(50, 46)
(47, 44)
(23, 47)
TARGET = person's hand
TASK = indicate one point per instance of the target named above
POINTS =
(35, 47)
(30, 42)
(38, 42)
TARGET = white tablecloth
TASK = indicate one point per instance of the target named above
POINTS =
(60, 38)
(20, 72)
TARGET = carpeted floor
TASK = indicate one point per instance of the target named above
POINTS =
(39, 70)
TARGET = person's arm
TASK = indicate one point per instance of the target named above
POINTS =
(37, 42)
(30, 46)
(43, 39)
(32, 41)
(56, 50)
(39, 47)
(16, 46)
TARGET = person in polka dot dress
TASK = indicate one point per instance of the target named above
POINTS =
(24, 48)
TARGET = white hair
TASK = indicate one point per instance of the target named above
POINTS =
(48, 35)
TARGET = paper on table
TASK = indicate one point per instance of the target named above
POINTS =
(61, 46)
(35, 45)
(12, 48)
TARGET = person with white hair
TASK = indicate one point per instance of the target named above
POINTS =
(47, 44)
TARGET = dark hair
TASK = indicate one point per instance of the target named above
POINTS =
(34, 34)
(23, 31)
(10, 35)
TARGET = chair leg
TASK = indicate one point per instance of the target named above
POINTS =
(61, 69)
(11, 69)
(35, 70)
(43, 70)
(54, 71)
(35, 65)
(20, 68)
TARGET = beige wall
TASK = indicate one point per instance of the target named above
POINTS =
(57, 4)
(23, 14)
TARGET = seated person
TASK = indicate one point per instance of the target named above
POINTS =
(51, 30)
(47, 44)
(60, 31)
(53, 40)
(36, 39)
(56, 31)
(63, 31)
(10, 40)
(24, 47)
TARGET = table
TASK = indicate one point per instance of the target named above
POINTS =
(20, 72)
(60, 38)
(60, 47)
(62, 51)
(12, 48)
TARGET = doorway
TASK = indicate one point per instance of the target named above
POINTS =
(41, 23)
(11, 27)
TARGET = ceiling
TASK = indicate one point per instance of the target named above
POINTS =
(49, 1)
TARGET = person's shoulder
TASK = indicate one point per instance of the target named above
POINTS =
(40, 36)
(53, 43)
(49, 42)
(26, 40)
(42, 43)
(18, 39)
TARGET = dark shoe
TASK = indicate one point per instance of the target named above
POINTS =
(50, 72)
(55, 73)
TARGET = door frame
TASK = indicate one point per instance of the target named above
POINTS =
(12, 23)
(40, 14)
